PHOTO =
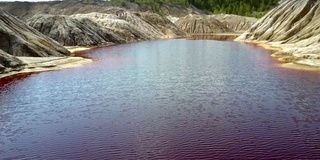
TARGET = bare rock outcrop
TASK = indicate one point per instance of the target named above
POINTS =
(235, 22)
(8, 61)
(294, 26)
(201, 24)
(19, 39)
(73, 31)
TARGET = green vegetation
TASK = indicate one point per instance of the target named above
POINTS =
(255, 8)
(241, 7)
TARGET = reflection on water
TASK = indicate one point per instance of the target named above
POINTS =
(223, 37)
(172, 99)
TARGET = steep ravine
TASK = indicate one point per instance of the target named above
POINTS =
(294, 27)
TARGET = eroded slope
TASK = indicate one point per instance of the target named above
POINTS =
(294, 26)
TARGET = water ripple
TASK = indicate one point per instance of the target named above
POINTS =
(154, 100)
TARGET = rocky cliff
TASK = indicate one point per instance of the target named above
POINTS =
(19, 39)
(294, 26)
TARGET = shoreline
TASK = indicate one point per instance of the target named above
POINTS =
(228, 36)
(42, 64)
(286, 61)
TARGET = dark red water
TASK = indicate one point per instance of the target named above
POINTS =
(172, 99)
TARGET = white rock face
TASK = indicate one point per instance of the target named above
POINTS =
(294, 26)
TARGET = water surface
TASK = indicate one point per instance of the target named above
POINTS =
(169, 99)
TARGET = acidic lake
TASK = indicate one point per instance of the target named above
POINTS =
(166, 99)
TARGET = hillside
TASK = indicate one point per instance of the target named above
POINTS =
(294, 26)
(19, 39)
(55, 24)
(24, 10)
(240, 7)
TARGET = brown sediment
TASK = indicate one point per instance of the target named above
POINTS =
(11, 78)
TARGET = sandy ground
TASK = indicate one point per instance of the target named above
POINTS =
(73, 49)
(288, 61)
(40, 64)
